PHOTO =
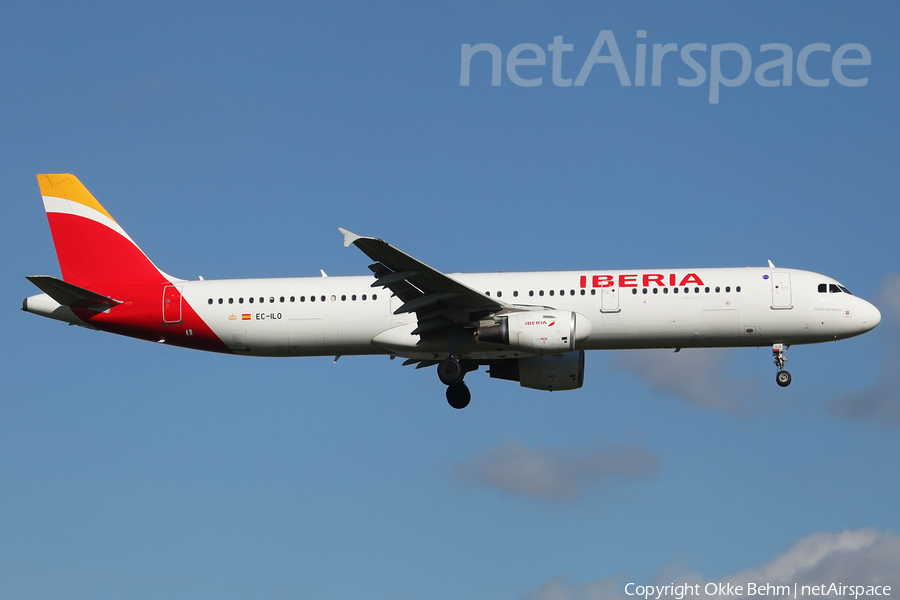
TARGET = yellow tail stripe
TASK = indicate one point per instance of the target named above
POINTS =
(68, 187)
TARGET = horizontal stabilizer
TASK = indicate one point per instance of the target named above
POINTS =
(71, 295)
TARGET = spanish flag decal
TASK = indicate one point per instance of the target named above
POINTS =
(245, 317)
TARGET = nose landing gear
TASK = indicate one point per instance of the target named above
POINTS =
(782, 378)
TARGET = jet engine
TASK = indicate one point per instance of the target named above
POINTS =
(537, 331)
(554, 372)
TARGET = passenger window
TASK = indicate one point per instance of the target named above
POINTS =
(674, 290)
(343, 298)
(551, 292)
(696, 290)
(562, 292)
(717, 289)
(727, 288)
(302, 298)
(281, 299)
(210, 300)
(737, 289)
(823, 288)
(593, 292)
(499, 294)
(487, 293)
(666, 290)
(322, 298)
(231, 301)
(687, 290)
(353, 297)
(292, 298)
(333, 298)
(272, 299)
(531, 292)
(706, 289)
(541, 293)
(634, 291)
(515, 294)
(363, 296)
(374, 296)
(582, 292)
(250, 300)
(311, 299)
(655, 290)
(262, 300)
(240, 300)
(644, 290)
(220, 301)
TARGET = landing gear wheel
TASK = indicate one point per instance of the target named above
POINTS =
(783, 378)
(458, 395)
(450, 371)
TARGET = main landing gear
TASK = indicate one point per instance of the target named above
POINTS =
(782, 378)
(451, 373)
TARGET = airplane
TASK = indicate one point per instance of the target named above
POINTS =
(531, 327)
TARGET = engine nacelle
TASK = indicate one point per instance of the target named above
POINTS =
(538, 331)
(554, 373)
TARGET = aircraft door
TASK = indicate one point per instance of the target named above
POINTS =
(396, 320)
(781, 290)
(609, 299)
(171, 307)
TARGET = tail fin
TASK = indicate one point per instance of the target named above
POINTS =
(91, 247)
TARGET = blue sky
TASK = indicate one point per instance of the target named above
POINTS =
(230, 140)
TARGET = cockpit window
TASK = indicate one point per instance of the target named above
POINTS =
(833, 288)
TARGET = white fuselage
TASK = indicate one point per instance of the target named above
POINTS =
(626, 309)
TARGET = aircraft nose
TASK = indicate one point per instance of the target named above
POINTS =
(871, 317)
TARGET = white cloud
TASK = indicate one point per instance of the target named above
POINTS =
(881, 401)
(697, 375)
(862, 557)
(552, 475)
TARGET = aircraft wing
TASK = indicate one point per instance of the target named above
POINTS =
(438, 300)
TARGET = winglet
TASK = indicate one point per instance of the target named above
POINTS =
(349, 237)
